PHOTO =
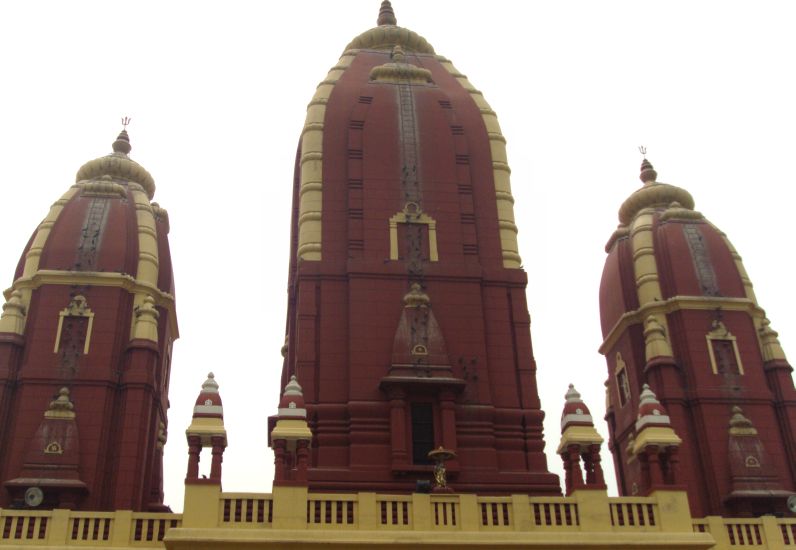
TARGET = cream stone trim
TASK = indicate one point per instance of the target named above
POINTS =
(408, 217)
(12, 319)
(676, 303)
(769, 341)
(579, 435)
(148, 266)
(500, 170)
(33, 255)
(647, 286)
(94, 278)
(747, 282)
(311, 165)
(720, 332)
(656, 435)
(76, 308)
(103, 188)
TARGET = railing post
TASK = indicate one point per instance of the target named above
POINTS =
(421, 511)
(521, 513)
(201, 505)
(718, 530)
(290, 507)
(674, 513)
(368, 511)
(58, 527)
(468, 510)
(593, 509)
(772, 533)
(122, 528)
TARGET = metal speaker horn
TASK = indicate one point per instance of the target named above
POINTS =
(34, 496)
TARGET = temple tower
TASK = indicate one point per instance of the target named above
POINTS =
(407, 323)
(85, 347)
(679, 313)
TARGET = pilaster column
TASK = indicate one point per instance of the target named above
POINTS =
(398, 427)
(194, 450)
(302, 459)
(575, 469)
(218, 458)
(280, 468)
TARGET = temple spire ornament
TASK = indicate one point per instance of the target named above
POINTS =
(386, 15)
(122, 143)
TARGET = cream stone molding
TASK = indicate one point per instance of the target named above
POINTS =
(653, 194)
(93, 278)
(721, 333)
(676, 211)
(12, 319)
(385, 37)
(501, 172)
(648, 288)
(78, 307)
(103, 187)
(411, 214)
(400, 72)
(145, 324)
(655, 339)
(148, 263)
(676, 303)
(311, 165)
(118, 165)
(33, 255)
(769, 342)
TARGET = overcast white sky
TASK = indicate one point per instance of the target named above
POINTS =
(218, 91)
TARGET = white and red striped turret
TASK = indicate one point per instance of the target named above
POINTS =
(206, 430)
(292, 403)
(575, 412)
(579, 442)
(653, 425)
(208, 404)
(656, 444)
(290, 437)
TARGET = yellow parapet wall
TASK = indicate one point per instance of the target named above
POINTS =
(293, 518)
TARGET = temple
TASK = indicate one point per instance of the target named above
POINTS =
(85, 347)
(409, 413)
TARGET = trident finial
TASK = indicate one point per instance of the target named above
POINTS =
(642, 150)
(125, 121)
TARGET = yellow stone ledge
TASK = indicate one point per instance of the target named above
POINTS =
(677, 303)
(293, 518)
(95, 278)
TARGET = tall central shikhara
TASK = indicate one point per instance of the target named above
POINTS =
(407, 323)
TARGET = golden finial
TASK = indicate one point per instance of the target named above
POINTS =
(648, 173)
(386, 15)
(122, 143)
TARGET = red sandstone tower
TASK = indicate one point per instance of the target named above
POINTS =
(407, 323)
(85, 347)
(679, 313)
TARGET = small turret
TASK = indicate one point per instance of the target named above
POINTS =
(290, 437)
(206, 430)
(579, 441)
(655, 443)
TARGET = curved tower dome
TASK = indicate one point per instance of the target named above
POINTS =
(407, 323)
(679, 313)
(91, 309)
